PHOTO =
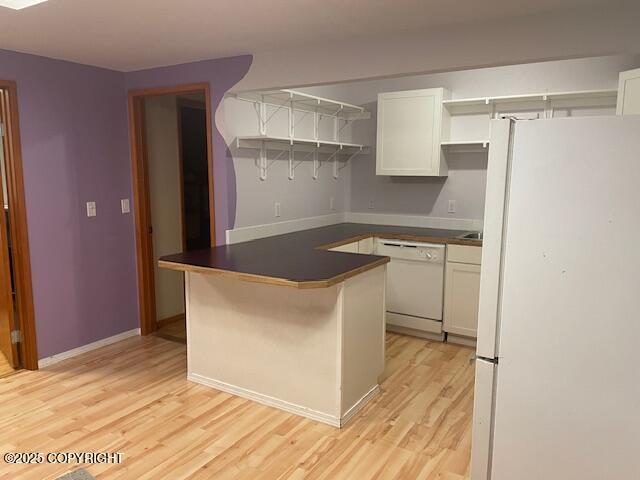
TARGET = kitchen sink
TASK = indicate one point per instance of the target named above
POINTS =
(472, 236)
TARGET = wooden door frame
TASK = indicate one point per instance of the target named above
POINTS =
(18, 226)
(141, 194)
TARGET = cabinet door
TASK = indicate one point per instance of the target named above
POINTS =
(629, 93)
(461, 298)
(349, 248)
(410, 128)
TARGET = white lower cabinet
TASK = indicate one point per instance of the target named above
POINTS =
(462, 291)
(365, 246)
(347, 247)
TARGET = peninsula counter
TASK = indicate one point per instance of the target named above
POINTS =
(316, 349)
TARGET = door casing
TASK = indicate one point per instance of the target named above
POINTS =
(141, 196)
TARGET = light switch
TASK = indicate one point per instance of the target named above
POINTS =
(332, 204)
(452, 206)
(91, 209)
(124, 204)
(371, 203)
(277, 209)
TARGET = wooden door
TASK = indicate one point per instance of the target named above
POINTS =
(8, 349)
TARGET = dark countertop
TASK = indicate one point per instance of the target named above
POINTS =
(300, 259)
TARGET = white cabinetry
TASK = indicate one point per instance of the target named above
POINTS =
(365, 246)
(347, 247)
(411, 125)
(629, 93)
(462, 290)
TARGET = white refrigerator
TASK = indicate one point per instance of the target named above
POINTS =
(557, 389)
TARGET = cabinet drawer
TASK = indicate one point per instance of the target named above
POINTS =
(464, 254)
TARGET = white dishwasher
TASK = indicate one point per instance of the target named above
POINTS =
(415, 286)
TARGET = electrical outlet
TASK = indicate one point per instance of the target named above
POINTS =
(332, 204)
(371, 203)
(452, 206)
(277, 209)
(91, 209)
(125, 206)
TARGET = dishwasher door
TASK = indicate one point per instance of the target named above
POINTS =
(415, 284)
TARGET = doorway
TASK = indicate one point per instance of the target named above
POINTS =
(17, 329)
(173, 195)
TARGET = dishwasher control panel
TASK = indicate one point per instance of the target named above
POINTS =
(416, 251)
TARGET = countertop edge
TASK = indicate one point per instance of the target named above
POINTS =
(324, 282)
(283, 282)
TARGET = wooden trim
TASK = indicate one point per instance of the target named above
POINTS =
(169, 320)
(18, 226)
(7, 309)
(141, 201)
(283, 282)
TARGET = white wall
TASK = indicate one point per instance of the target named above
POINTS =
(302, 197)
(357, 184)
(582, 31)
(467, 172)
(166, 216)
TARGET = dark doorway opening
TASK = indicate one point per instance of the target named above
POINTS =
(195, 184)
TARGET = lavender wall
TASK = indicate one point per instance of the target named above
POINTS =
(73, 121)
(221, 74)
(74, 143)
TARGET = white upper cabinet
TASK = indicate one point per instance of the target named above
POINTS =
(629, 93)
(411, 125)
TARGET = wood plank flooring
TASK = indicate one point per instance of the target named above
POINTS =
(133, 397)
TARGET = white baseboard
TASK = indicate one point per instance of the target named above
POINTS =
(412, 332)
(359, 405)
(422, 221)
(460, 340)
(282, 404)
(245, 234)
(45, 362)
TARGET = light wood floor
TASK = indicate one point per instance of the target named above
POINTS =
(133, 397)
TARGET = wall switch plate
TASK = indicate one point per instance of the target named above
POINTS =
(371, 203)
(124, 205)
(277, 209)
(332, 203)
(452, 206)
(91, 209)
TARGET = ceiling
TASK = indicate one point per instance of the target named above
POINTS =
(135, 34)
